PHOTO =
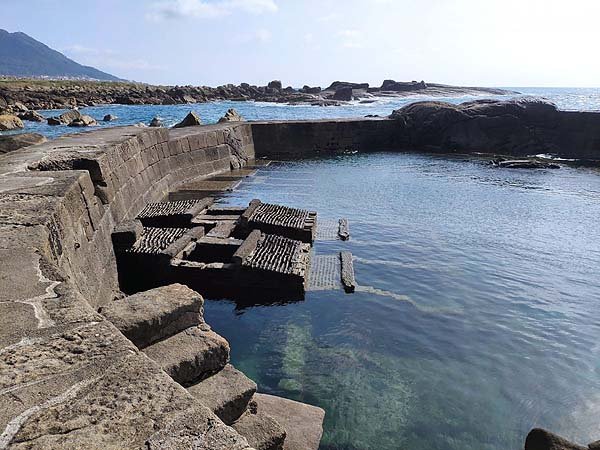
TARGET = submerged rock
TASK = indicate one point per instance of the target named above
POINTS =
(231, 116)
(540, 439)
(109, 118)
(13, 142)
(156, 122)
(10, 122)
(192, 119)
(524, 164)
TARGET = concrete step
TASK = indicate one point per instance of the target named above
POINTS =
(150, 316)
(226, 393)
(303, 423)
(260, 430)
(192, 355)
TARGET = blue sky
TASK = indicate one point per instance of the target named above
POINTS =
(211, 42)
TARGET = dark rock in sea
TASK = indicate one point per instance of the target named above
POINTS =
(13, 142)
(507, 127)
(10, 122)
(156, 122)
(275, 84)
(344, 94)
(231, 116)
(31, 116)
(398, 86)
(192, 119)
(65, 118)
(109, 118)
(310, 90)
(539, 439)
(336, 85)
(83, 121)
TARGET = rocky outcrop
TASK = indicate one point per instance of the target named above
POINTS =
(397, 86)
(231, 116)
(31, 116)
(506, 127)
(9, 122)
(12, 142)
(539, 439)
(191, 120)
(344, 93)
(62, 95)
(275, 84)
(83, 121)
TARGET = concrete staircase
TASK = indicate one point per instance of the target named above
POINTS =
(167, 324)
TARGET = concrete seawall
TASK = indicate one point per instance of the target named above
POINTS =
(69, 378)
(567, 134)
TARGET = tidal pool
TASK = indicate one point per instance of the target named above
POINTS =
(477, 316)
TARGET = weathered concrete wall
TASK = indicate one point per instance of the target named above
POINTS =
(125, 169)
(68, 378)
(567, 134)
(293, 139)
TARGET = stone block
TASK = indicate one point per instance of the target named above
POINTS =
(192, 355)
(226, 393)
(150, 316)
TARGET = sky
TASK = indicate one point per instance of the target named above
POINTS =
(212, 42)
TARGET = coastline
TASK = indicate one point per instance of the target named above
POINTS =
(61, 94)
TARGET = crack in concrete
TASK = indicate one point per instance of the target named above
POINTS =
(13, 427)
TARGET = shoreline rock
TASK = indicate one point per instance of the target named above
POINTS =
(9, 122)
(23, 95)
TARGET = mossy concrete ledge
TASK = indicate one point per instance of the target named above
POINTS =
(68, 378)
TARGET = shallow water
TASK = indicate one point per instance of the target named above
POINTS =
(565, 98)
(476, 318)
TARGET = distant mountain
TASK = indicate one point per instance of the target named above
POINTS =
(23, 56)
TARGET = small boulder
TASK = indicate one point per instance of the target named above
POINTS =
(192, 119)
(539, 439)
(83, 121)
(65, 118)
(109, 118)
(10, 122)
(231, 116)
(19, 107)
(31, 116)
(156, 122)
(275, 84)
(344, 94)
(13, 142)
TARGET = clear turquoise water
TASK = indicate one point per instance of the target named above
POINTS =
(477, 314)
(565, 98)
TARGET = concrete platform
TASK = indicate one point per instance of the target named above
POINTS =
(192, 355)
(226, 393)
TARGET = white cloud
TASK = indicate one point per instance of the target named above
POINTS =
(261, 36)
(351, 38)
(204, 9)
